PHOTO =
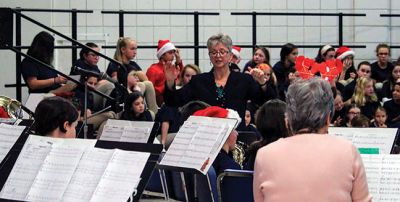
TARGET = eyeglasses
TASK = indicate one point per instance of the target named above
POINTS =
(383, 53)
(221, 53)
(354, 113)
(365, 71)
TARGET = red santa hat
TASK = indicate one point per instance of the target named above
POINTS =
(236, 51)
(163, 47)
(218, 112)
(343, 52)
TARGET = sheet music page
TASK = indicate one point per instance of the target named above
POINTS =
(56, 172)
(373, 165)
(127, 131)
(135, 134)
(381, 138)
(9, 135)
(26, 168)
(33, 100)
(87, 175)
(383, 175)
(199, 139)
(121, 176)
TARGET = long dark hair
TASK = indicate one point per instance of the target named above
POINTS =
(42, 47)
(286, 50)
(320, 56)
(128, 113)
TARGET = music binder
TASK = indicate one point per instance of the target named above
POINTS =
(76, 170)
(197, 144)
(383, 139)
(130, 131)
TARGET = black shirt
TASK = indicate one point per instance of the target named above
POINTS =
(113, 67)
(29, 68)
(379, 74)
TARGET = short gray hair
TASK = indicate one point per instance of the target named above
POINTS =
(220, 38)
(308, 104)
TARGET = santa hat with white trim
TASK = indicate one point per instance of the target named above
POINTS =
(236, 51)
(218, 112)
(163, 47)
(343, 52)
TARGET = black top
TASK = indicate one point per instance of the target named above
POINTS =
(369, 109)
(30, 68)
(234, 95)
(386, 91)
(349, 90)
(145, 116)
(223, 162)
(82, 64)
(392, 111)
(281, 73)
(379, 74)
(113, 67)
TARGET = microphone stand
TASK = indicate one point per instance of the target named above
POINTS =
(85, 127)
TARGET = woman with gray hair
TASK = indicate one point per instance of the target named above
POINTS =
(310, 165)
(219, 87)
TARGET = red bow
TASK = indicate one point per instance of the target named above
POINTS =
(329, 70)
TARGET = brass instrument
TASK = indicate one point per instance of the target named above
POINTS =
(239, 152)
(11, 106)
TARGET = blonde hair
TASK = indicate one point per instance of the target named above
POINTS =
(121, 43)
(359, 97)
(191, 66)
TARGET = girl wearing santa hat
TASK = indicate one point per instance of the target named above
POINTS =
(221, 86)
(166, 53)
(348, 74)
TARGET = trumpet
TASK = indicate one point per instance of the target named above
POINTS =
(11, 106)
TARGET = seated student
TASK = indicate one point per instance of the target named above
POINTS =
(365, 97)
(339, 108)
(363, 70)
(38, 77)
(380, 118)
(351, 111)
(166, 53)
(388, 85)
(310, 165)
(284, 68)
(272, 124)
(249, 120)
(224, 159)
(360, 121)
(271, 84)
(261, 55)
(87, 59)
(392, 107)
(382, 68)
(56, 117)
(135, 109)
(346, 55)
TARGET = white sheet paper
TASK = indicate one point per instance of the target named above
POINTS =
(197, 141)
(383, 175)
(381, 138)
(127, 131)
(33, 100)
(54, 169)
(9, 135)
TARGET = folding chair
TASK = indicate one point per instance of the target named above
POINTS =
(235, 185)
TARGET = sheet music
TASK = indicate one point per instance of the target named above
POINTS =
(26, 168)
(33, 161)
(381, 138)
(127, 131)
(33, 100)
(87, 175)
(9, 135)
(55, 173)
(55, 169)
(383, 175)
(115, 185)
(199, 139)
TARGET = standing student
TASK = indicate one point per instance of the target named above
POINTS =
(382, 68)
(284, 69)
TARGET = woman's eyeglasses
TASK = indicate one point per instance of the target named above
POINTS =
(216, 53)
